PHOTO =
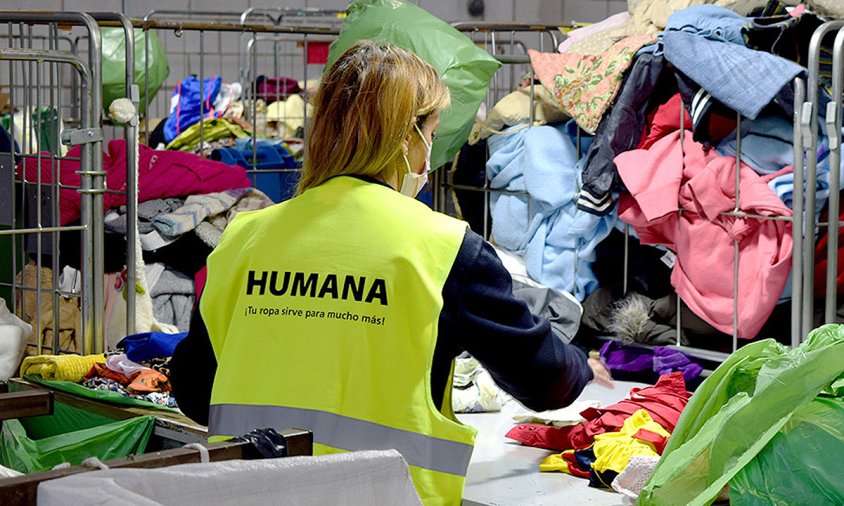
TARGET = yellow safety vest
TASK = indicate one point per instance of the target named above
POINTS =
(323, 315)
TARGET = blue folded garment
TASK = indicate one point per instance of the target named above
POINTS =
(709, 21)
(545, 226)
(743, 79)
(149, 345)
(229, 156)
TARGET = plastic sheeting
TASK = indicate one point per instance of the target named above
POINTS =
(801, 464)
(738, 410)
(465, 68)
(367, 478)
(114, 64)
(114, 440)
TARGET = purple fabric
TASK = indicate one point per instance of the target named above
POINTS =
(658, 359)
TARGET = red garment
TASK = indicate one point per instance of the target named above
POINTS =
(653, 438)
(702, 184)
(574, 465)
(161, 174)
(820, 259)
(663, 120)
(663, 401)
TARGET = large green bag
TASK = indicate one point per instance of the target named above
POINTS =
(114, 65)
(737, 411)
(801, 464)
(465, 68)
(71, 435)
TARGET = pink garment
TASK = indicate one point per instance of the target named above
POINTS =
(702, 184)
(199, 281)
(589, 30)
(160, 174)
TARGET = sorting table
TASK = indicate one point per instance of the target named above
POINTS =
(503, 472)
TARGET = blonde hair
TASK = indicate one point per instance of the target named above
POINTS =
(364, 110)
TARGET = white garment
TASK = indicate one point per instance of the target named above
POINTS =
(569, 415)
(5, 472)
(474, 390)
(151, 241)
(515, 265)
(31, 145)
(122, 364)
(367, 478)
(632, 479)
(70, 280)
(229, 92)
(153, 273)
(14, 334)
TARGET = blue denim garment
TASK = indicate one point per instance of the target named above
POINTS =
(710, 22)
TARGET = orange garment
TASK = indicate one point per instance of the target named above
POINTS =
(101, 371)
(148, 380)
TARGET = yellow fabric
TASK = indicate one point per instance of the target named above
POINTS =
(368, 359)
(211, 129)
(555, 462)
(60, 367)
(614, 449)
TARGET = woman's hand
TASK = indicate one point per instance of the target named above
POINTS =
(600, 372)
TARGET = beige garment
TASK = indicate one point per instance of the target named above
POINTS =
(26, 307)
(833, 8)
(288, 115)
(514, 109)
(649, 17)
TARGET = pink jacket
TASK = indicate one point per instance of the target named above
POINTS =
(702, 184)
(160, 174)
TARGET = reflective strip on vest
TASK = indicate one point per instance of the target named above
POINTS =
(344, 433)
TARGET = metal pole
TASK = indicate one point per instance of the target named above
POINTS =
(797, 219)
(809, 124)
(833, 122)
(131, 137)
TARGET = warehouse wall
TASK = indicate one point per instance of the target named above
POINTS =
(546, 11)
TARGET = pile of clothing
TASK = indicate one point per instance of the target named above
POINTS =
(600, 447)
(185, 203)
(645, 125)
(264, 133)
(138, 368)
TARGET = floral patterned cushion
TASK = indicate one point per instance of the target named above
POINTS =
(585, 86)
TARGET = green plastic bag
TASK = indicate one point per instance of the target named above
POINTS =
(71, 435)
(465, 68)
(736, 412)
(114, 65)
(801, 464)
(100, 395)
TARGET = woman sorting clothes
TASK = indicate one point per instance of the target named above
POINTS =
(341, 310)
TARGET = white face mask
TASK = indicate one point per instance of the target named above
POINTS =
(413, 183)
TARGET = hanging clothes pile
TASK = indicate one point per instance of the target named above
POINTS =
(161, 174)
(701, 183)
(556, 240)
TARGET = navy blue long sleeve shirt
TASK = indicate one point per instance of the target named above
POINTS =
(479, 315)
